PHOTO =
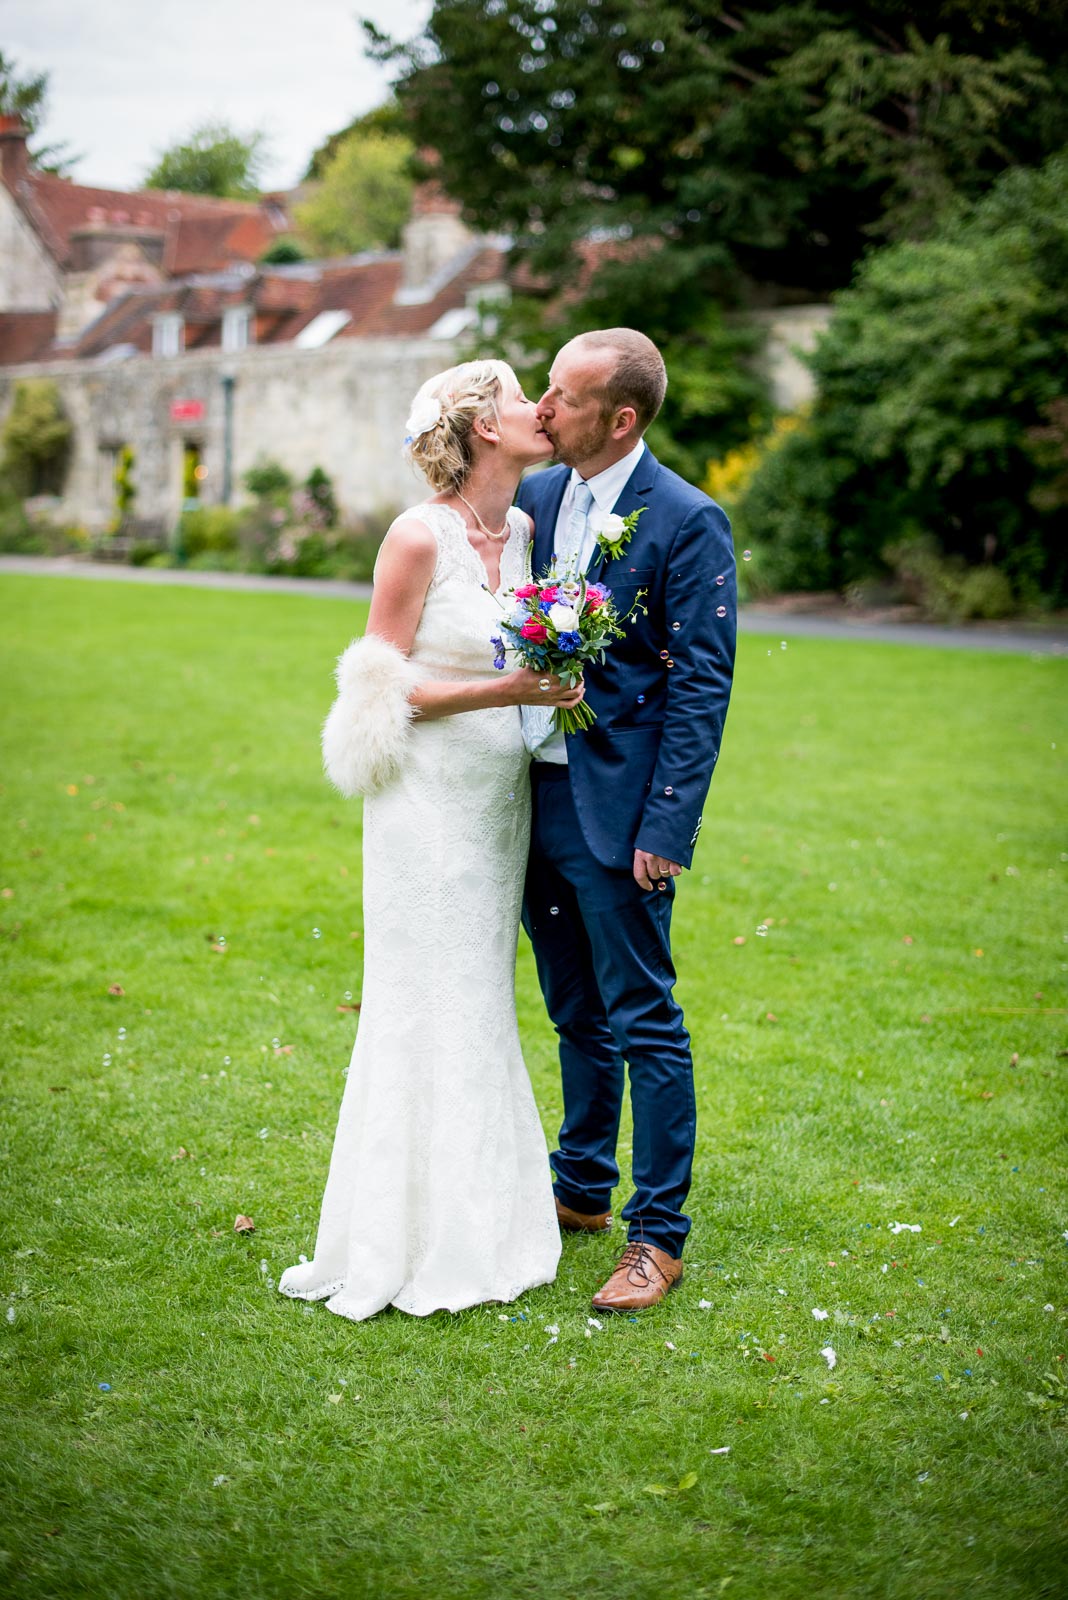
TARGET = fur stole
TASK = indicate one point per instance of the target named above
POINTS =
(368, 726)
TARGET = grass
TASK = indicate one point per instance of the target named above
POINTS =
(890, 1050)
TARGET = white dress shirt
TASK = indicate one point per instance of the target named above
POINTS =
(606, 489)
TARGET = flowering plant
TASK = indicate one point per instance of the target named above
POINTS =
(615, 532)
(557, 623)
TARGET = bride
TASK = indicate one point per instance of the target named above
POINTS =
(439, 1193)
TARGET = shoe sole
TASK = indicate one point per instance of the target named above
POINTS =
(619, 1309)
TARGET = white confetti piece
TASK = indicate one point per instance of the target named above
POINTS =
(704, 1305)
(668, 1345)
(593, 1323)
(820, 1316)
(829, 1356)
(724, 1450)
(906, 1227)
(1047, 1308)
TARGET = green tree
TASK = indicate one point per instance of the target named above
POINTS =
(363, 199)
(939, 381)
(656, 159)
(212, 159)
(386, 118)
(35, 438)
(770, 142)
(27, 98)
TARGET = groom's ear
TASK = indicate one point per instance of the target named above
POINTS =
(625, 421)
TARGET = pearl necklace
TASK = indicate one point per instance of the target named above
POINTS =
(487, 531)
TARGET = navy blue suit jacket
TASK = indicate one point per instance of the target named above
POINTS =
(640, 775)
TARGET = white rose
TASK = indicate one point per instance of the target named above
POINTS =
(425, 414)
(612, 527)
(564, 618)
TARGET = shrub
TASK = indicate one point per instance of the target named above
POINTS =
(209, 530)
(267, 480)
(944, 586)
(938, 381)
(35, 438)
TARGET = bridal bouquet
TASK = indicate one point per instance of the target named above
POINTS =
(557, 623)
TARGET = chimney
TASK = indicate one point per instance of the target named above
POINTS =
(14, 158)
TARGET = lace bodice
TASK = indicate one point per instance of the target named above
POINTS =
(461, 614)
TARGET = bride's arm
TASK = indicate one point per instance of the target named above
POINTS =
(403, 572)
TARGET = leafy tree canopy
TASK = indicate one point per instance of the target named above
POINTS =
(771, 142)
(28, 98)
(363, 198)
(387, 118)
(941, 404)
(213, 158)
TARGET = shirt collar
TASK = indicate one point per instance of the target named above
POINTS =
(607, 486)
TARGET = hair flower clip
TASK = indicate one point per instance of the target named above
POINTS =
(425, 414)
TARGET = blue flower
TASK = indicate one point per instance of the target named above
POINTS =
(498, 652)
(568, 642)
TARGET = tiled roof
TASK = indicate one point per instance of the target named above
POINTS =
(200, 232)
(284, 301)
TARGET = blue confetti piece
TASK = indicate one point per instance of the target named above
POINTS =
(938, 1377)
(105, 1386)
(967, 1372)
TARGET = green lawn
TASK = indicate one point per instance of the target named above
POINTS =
(891, 1050)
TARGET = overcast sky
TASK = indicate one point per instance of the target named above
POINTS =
(128, 77)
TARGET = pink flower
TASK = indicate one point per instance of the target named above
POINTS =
(594, 597)
(526, 591)
(536, 631)
(551, 593)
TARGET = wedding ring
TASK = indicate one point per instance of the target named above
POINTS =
(544, 685)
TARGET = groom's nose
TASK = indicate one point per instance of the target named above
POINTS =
(545, 406)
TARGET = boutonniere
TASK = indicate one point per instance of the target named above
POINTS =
(615, 533)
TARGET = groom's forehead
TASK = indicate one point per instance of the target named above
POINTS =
(579, 369)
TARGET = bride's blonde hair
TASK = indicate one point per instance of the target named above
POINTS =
(443, 452)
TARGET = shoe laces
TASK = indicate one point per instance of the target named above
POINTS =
(638, 1263)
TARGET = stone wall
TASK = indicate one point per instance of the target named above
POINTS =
(788, 330)
(29, 278)
(342, 408)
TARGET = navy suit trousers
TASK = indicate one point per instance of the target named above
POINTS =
(603, 952)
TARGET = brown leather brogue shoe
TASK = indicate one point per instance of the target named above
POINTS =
(582, 1221)
(642, 1279)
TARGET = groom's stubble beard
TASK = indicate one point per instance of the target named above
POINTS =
(586, 446)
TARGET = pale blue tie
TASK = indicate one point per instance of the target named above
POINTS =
(538, 721)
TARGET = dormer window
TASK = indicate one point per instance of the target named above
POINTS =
(236, 328)
(168, 334)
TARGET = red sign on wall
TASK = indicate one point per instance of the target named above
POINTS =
(187, 410)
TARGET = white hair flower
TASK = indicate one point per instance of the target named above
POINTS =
(425, 414)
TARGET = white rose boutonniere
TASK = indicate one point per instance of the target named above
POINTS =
(615, 532)
(425, 414)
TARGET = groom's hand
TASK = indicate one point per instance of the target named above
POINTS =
(650, 870)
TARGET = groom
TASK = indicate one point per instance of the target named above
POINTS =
(617, 809)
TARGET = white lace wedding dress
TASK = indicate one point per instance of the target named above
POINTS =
(439, 1194)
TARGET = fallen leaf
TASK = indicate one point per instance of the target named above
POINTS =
(740, 939)
(116, 989)
(355, 1007)
(181, 1154)
(687, 1482)
(243, 1224)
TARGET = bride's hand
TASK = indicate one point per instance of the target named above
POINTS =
(530, 688)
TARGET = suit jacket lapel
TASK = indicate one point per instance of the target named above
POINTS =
(545, 526)
(633, 495)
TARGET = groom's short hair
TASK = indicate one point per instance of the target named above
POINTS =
(639, 377)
